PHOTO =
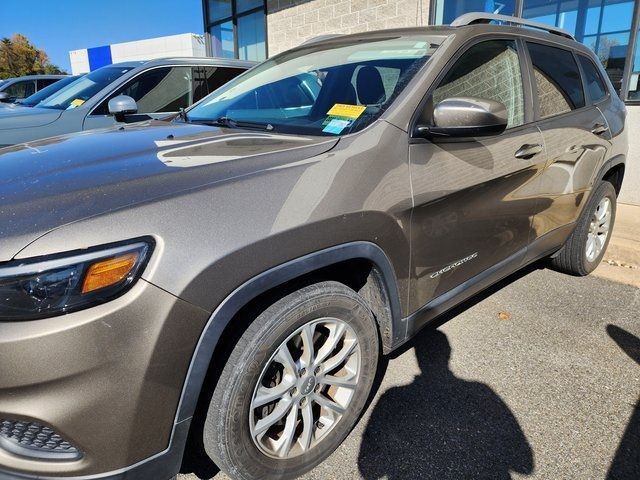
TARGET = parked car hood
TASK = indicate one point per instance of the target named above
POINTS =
(23, 117)
(59, 180)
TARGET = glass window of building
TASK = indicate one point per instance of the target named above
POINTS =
(446, 11)
(237, 28)
(602, 25)
(634, 85)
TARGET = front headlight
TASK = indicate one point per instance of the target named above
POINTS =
(45, 287)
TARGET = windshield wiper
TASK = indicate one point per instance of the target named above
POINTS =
(231, 123)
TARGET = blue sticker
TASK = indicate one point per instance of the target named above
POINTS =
(336, 126)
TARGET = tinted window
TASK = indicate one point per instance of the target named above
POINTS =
(45, 82)
(488, 70)
(158, 90)
(218, 76)
(21, 89)
(557, 80)
(593, 81)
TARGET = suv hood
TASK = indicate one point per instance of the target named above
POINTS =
(55, 181)
(23, 117)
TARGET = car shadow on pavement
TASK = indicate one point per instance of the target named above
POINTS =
(626, 463)
(441, 426)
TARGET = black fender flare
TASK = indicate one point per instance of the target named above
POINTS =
(241, 296)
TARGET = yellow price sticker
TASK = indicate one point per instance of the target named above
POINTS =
(346, 111)
(77, 102)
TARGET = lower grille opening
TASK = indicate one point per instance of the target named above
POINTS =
(30, 439)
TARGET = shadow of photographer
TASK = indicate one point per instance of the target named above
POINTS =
(441, 426)
(626, 463)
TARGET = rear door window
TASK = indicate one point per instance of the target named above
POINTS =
(557, 80)
(45, 82)
(215, 77)
(593, 81)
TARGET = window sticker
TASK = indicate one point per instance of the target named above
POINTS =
(76, 103)
(336, 126)
(346, 111)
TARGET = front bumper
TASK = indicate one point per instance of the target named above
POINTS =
(107, 380)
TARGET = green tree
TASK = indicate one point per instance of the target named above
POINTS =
(18, 57)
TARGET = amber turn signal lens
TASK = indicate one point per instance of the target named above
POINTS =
(108, 272)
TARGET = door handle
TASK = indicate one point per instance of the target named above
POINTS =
(528, 150)
(599, 129)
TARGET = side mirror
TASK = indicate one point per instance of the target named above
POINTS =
(121, 106)
(4, 97)
(465, 117)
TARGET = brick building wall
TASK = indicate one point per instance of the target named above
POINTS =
(291, 22)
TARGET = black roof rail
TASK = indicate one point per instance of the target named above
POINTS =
(479, 17)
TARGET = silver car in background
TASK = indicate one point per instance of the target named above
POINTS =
(12, 89)
(36, 98)
(157, 88)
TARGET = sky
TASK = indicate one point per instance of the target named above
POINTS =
(58, 26)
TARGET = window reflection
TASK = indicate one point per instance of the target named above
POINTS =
(602, 25)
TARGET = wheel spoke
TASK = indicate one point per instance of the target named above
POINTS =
(590, 246)
(340, 357)
(603, 209)
(282, 408)
(283, 356)
(307, 427)
(307, 345)
(286, 440)
(347, 382)
(328, 404)
(331, 343)
(266, 395)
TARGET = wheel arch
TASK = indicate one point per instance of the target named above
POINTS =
(613, 171)
(379, 290)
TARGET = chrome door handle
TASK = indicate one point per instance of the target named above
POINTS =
(599, 129)
(528, 150)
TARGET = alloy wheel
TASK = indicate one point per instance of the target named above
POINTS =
(598, 229)
(305, 388)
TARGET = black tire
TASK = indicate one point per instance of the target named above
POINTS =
(227, 436)
(572, 258)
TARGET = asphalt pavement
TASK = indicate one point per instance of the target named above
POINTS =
(537, 378)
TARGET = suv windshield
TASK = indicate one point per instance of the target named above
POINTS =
(325, 89)
(46, 92)
(78, 92)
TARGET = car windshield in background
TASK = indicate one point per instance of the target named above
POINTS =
(46, 92)
(78, 92)
(325, 89)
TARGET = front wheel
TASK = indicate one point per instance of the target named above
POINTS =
(294, 385)
(584, 249)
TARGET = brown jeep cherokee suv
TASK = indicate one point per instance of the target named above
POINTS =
(229, 278)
